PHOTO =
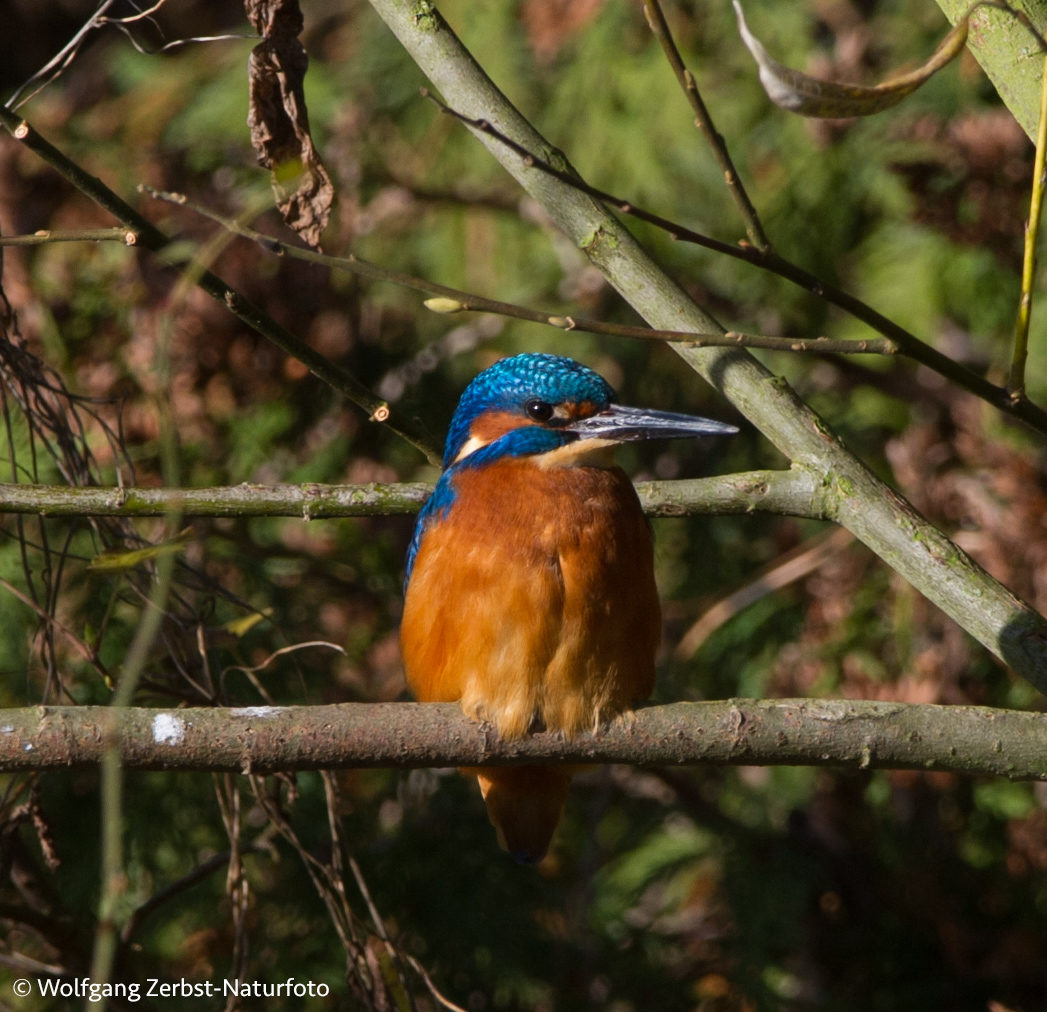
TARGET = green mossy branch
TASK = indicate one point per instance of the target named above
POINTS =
(792, 493)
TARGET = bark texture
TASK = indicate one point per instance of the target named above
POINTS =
(855, 733)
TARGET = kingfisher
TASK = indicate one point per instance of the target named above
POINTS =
(530, 591)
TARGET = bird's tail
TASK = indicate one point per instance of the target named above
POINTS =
(524, 805)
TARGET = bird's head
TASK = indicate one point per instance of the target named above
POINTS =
(556, 398)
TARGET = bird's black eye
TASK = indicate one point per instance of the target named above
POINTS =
(540, 411)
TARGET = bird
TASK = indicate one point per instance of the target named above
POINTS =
(530, 595)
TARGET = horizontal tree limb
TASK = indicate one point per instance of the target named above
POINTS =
(792, 493)
(770, 732)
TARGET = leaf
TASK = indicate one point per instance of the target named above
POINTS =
(128, 560)
(240, 626)
(808, 96)
(279, 120)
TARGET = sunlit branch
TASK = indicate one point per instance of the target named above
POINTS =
(1016, 380)
(45, 236)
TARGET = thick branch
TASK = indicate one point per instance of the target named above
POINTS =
(854, 496)
(771, 732)
(1005, 49)
(791, 493)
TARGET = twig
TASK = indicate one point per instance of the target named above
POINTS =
(974, 740)
(85, 651)
(176, 888)
(704, 122)
(361, 884)
(154, 240)
(1016, 380)
(237, 887)
(796, 492)
(909, 344)
(445, 1002)
(451, 300)
(250, 672)
(127, 237)
(114, 879)
(325, 877)
(63, 59)
(790, 567)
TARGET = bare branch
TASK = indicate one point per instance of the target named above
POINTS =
(796, 492)
(44, 236)
(803, 560)
(65, 56)
(771, 732)
(704, 122)
(176, 888)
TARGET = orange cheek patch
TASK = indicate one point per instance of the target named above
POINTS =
(580, 409)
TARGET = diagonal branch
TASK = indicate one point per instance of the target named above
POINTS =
(860, 734)
(704, 122)
(854, 496)
(788, 568)
(176, 888)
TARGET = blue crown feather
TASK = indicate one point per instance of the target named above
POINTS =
(508, 385)
(512, 382)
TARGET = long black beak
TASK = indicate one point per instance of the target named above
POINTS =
(627, 425)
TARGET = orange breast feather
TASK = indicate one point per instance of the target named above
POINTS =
(534, 597)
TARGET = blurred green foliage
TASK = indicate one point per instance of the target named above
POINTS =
(712, 889)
